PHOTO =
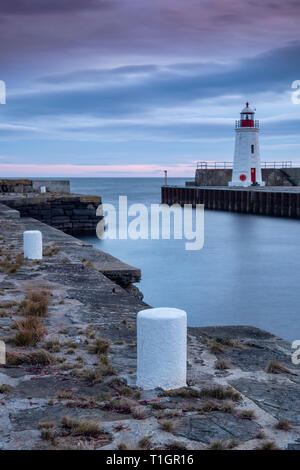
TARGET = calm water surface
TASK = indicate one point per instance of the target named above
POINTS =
(247, 273)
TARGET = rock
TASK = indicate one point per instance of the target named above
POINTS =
(281, 400)
(217, 426)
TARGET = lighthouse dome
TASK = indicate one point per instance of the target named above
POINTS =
(247, 109)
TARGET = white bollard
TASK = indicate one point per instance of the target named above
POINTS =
(43, 189)
(33, 244)
(161, 348)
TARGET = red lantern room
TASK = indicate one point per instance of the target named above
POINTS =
(247, 117)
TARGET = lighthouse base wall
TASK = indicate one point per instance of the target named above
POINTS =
(213, 177)
(271, 176)
(244, 184)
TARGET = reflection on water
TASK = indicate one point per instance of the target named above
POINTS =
(247, 273)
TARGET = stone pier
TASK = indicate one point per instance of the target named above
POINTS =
(51, 202)
(68, 323)
(279, 202)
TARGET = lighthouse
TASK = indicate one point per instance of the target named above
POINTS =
(246, 165)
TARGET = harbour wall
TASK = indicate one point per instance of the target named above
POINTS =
(271, 176)
(71, 213)
(26, 186)
(276, 202)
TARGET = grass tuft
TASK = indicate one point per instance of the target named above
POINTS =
(145, 442)
(81, 427)
(175, 445)
(122, 446)
(275, 367)
(246, 414)
(167, 426)
(5, 388)
(215, 347)
(211, 405)
(53, 345)
(220, 393)
(35, 303)
(46, 425)
(283, 425)
(100, 346)
(39, 357)
(121, 405)
(64, 394)
(11, 266)
(30, 332)
(217, 445)
(269, 445)
(94, 376)
(139, 413)
(51, 250)
(222, 364)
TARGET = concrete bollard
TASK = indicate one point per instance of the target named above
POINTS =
(33, 244)
(43, 189)
(161, 348)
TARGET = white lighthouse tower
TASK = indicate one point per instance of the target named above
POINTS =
(246, 165)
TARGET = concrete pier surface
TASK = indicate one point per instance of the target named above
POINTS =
(68, 323)
(276, 201)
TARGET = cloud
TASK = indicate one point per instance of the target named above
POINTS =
(37, 7)
(95, 31)
(69, 170)
(144, 81)
(151, 88)
(97, 75)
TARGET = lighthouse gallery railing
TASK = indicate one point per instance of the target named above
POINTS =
(243, 124)
(218, 165)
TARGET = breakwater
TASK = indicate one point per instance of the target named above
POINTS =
(51, 202)
(81, 361)
(27, 186)
(71, 213)
(262, 201)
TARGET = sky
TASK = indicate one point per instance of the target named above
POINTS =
(133, 87)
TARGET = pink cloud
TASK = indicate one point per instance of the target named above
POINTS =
(146, 170)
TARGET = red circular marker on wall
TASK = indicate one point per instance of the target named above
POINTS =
(243, 177)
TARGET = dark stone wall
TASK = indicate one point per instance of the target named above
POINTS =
(72, 214)
(213, 177)
(281, 177)
(15, 186)
(246, 200)
(271, 176)
(25, 186)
